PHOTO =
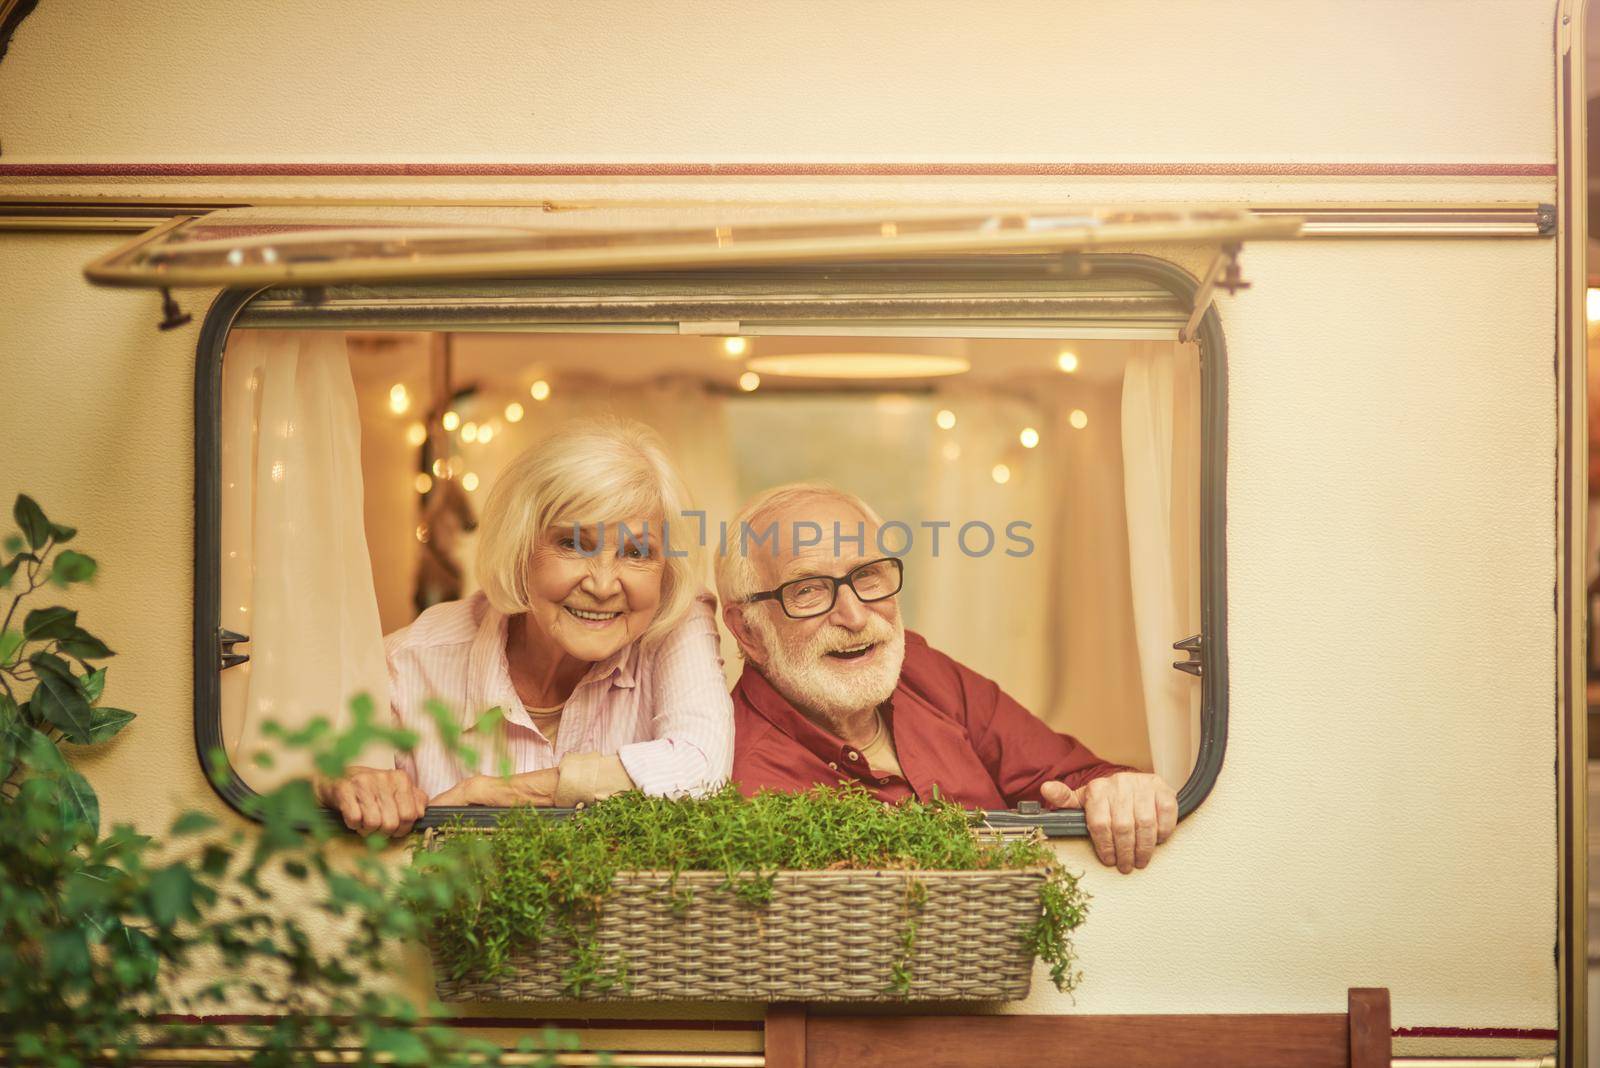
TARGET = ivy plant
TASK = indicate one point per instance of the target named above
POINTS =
(109, 941)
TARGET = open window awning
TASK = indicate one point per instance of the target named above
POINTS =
(317, 246)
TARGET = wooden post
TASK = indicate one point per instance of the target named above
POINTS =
(785, 1038)
(1371, 1044)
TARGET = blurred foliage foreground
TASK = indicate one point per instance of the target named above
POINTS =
(108, 939)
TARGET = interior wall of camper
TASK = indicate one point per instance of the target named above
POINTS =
(1386, 814)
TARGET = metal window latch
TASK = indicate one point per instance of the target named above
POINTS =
(1195, 665)
(226, 640)
(1222, 274)
(172, 316)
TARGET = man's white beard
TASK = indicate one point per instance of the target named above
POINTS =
(834, 689)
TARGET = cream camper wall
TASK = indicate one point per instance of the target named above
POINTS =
(1386, 814)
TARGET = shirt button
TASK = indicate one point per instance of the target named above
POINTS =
(832, 766)
(853, 755)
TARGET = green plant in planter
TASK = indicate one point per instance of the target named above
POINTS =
(103, 936)
(536, 878)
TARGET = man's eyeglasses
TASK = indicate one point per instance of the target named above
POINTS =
(814, 595)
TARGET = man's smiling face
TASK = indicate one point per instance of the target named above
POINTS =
(847, 660)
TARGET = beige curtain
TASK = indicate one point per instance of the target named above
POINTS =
(1054, 628)
(1161, 473)
(296, 576)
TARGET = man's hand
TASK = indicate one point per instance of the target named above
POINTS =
(494, 791)
(1129, 814)
(375, 800)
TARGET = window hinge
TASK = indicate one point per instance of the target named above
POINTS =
(226, 640)
(1195, 665)
(1222, 274)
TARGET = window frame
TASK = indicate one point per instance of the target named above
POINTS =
(982, 275)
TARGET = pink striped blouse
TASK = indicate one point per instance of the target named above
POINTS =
(664, 712)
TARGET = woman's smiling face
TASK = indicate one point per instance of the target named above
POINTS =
(592, 588)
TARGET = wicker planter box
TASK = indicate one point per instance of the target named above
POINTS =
(825, 936)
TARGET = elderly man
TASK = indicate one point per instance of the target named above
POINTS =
(835, 689)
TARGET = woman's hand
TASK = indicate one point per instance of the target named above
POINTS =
(494, 791)
(375, 800)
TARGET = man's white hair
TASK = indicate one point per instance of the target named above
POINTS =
(738, 577)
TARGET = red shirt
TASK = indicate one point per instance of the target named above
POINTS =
(953, 730)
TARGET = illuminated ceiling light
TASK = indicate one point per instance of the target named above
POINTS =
(451, 420)
(945, 418)
(1594, 305)
(485, 434)
(1068, 362)
(422, 483)
(416, 434)
(1079, 418)
(1029, 437)
(513, 412)
(749, 381)
(469, 481)
(951, 451)
(422, 533)
(540, 390)
(469, 432)
(860, 365)
(399, 399)
(734, 347)
(1001, 474)
(438, 468)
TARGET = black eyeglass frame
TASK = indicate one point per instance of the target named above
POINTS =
(848, 579)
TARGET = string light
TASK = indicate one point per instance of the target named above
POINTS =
(1594, 305)
(1067, 361)
(513, 412)
(469, 481)
(423, 482)
(439, 469)
(399, 399)
(1079, 418)
(749, 381)
(451, 420)
(734, 347)
(1029, 437)
(540, 390)
(469, 432)
(945, 418)
(416, 434)
(1001, 474)
(485, 434)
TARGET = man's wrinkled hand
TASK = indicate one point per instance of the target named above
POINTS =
(1129, 814)
(375, 800)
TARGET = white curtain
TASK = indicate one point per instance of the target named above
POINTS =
(1161, 475)
(296, 575)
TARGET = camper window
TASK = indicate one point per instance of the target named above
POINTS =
(1046, 488)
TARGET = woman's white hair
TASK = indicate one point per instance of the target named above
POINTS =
(737, 575)
(589, 471)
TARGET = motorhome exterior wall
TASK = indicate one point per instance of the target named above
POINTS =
(1386, 814)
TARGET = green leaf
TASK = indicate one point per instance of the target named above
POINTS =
(172, 894)
(66, 953)
(60, 704)
(93, 684)
(104, 723)
(6, 573)
(13, 544)
(44, 624)
(72, 567)
(62, 534)
(84, 646)
(75, 799)
(403, 1046)
(49, 664)
(10, 642)
(192, 823)
(30, 517)
(13, 735)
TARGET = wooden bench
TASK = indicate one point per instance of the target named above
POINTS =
(798, 1037)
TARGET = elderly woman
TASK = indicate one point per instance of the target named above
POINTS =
(591, 632)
